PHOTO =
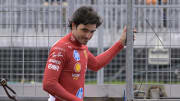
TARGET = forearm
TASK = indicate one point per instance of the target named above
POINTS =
(109, 54)
(105, 57)
(55, 89)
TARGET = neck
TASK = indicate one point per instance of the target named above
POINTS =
(74, 40)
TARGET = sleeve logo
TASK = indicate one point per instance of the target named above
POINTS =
(59, 54)
(76, 55)
(54, 61)
(53, 67)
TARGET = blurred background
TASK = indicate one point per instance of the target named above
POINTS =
(28, 29)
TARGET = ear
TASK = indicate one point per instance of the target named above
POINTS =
(73, 26)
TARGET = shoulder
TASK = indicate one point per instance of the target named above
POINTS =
(61, 44)
(58, 51)
(59, 47)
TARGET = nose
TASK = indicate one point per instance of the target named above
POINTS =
(89, 35)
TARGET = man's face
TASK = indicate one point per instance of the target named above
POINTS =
(83, 33)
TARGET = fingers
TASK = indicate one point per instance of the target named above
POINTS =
(134, 34)
(125, 29)
(134, 31)
(123, 38)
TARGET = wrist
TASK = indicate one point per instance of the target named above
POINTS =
(122, 42)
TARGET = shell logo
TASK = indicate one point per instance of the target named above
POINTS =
(77, 67)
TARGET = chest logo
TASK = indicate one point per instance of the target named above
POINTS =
(76, 55)
(77, 67)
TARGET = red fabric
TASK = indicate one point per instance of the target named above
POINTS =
(66, 67)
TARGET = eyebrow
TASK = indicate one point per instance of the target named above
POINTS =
(88, 30)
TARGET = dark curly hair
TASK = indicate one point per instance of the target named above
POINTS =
(85, 15)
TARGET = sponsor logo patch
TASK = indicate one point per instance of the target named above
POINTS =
(58, 48)
(85, 54)
(79, 93)
(54, 61)
(57, 55)
(53, 67)
(77, 67)
(76, 55)
(69, 47)
(75, 76)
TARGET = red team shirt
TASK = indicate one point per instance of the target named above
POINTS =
(66, 66)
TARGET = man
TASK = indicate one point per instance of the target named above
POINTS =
(69, 57)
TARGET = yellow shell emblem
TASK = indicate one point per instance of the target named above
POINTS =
(77, 67)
